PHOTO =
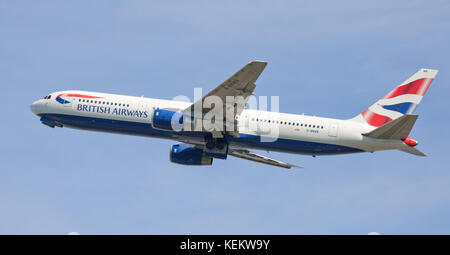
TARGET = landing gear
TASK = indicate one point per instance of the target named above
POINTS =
(215, 143)
(220, 146)
(210, 144)
(216, 147)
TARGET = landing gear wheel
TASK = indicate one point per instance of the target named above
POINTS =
(220, 143)
(210, 145)
(215, 143)
(220, 146)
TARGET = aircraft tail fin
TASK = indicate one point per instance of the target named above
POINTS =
(402, 100)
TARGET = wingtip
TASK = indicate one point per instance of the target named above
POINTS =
(294, 166)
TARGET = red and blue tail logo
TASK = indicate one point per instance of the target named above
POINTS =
(60, 98)
(401, 100)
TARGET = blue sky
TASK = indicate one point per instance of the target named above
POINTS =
(326, 58)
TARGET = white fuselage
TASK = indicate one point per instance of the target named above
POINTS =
(133, 115)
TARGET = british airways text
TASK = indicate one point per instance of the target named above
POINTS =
(114, 111)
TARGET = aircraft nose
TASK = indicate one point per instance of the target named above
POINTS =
(34, 107)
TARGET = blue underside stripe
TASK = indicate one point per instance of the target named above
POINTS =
(244, 140)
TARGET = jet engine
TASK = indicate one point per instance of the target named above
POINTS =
(188, 155)
(167, 120)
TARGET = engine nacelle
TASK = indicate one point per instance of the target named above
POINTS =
(188, 155)
(167, 120)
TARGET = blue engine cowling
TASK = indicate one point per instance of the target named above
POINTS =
(167, 120)
(188, 155)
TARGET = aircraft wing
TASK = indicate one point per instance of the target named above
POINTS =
(246, 154)
(238, 87)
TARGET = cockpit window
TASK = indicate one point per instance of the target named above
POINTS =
(48, 97)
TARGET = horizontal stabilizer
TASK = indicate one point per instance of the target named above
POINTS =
(396, 129)
(414, 151)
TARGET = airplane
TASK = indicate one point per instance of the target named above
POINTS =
(385, 125)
